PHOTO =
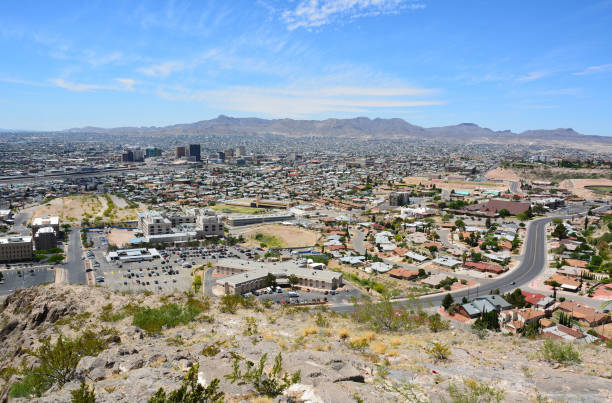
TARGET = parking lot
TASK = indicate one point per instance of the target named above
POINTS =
(307, 295)
(16, 279)
(173, 272)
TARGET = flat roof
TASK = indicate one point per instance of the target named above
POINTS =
(257, 270)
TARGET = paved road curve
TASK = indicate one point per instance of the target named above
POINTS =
(532, 264)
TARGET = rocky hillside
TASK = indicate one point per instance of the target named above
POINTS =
(129, 346)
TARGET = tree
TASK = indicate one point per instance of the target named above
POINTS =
(503, 213)
(560, 231)
(293, 280)
(554, 284)
(448, 301)
(460, 224)
(270, 280)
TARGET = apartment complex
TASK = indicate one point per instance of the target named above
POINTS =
(15, 248)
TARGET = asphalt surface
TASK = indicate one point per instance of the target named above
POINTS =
(75, 266)
(16, 279)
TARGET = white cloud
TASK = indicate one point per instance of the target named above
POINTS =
(534, 75)
(163, 69)
(128, 83)
(78, 87)
(315, 13)
(291, 102)
(594, 69)
(123, 84)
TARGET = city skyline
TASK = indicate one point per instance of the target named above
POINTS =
(512, 66)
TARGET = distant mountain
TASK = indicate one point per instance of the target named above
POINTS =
(360, 127)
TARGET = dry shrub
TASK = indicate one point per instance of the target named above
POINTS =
(309, 330)
(343, 334)
(395, 341)
(378, 347)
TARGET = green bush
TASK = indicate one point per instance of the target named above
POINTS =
(561, 352)
(475, 392)
(270, 384)
(190, 391)
(231, 302)
(56, 258)
(83, 394)
(58, 361)
(153, 320)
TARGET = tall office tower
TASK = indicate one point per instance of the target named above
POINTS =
(127, 156)
(241, 151)
(180, 152)
(221, 156)
(153, 152)
(194, 152)
(138, 155)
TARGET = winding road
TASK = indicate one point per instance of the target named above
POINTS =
(532, 264)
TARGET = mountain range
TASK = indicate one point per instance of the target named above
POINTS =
(360, 128)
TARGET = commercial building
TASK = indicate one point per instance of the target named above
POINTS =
(45, 221)
(180, 152)
(132, 255)
(194, 152)
(153, 152)
(139, 155)
(249, 219)
(209, 224)
(153, 223)
(45, 238)
(127, 156)
(15, 248)
(399, 199)
(246, 276)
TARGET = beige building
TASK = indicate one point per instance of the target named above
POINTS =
(245, 276)
(153, 223)
(15, 248)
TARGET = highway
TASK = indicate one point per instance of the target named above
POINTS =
(532, 264)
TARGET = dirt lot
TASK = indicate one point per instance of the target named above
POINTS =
(120, 237)
(75, 208)
(503, 174)
(289, 236)
(577, 186)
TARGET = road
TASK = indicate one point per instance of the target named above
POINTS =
(74, 265)
(532, 264)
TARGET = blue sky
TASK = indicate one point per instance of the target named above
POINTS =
(502, 64)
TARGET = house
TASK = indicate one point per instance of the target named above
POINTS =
(532, 297)
(416, 256)
(568, 284)
(482, 305)
(577, 263)
(515, 319)
(563, 332)
(584, 315)
(484, 267)
(434, 280)
(447, 262)
(403, 274)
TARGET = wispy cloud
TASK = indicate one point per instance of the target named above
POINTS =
(293, 102)
(120, 84)
(315, 13)
(540, 106)
(534, 75)
(594, 69)
(163, 69)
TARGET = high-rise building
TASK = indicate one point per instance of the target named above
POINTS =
(153, 152)
(241, 151)
(138, 155)
(221, 156)
(399, 198)
(127, 156)
(194, 152)
(181, 151)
